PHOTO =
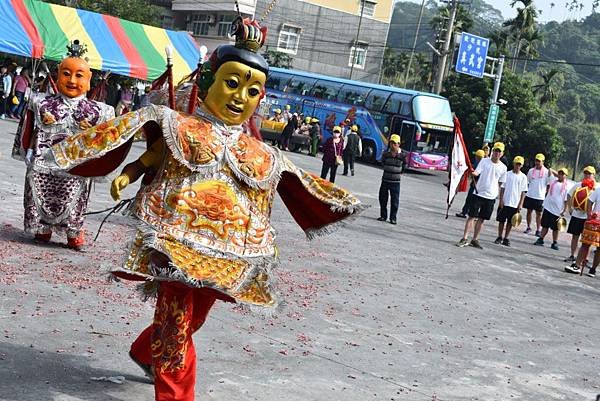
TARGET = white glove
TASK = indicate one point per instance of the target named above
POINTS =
(29, 157)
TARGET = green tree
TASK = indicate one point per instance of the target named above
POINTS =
(277, 59)
(547, 90)
(531, 39)
(523, 22)
(133, 10)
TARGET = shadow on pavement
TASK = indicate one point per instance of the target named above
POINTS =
(28, 373)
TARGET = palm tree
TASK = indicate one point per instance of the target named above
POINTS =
(499, 40)
(531, 39)
(547, 89)
(524, 21)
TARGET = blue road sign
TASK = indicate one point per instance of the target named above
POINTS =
(471, 55)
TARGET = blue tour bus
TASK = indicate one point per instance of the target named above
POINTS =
(423, 120)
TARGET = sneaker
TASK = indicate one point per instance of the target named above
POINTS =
(573, 269)
(2, 116)
(498, 240)
(591, 272)
(475, 244)
(461, 215)
(554, 246)
(570, 259)
(352, 172)
(462, 243)
(393, 222)
(381, 219)
(506, 242)
(539, 242)
(527, 230)
(538, 233)
(146, 368)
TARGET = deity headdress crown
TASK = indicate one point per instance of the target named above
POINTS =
(76, 49)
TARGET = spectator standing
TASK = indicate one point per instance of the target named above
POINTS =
(277, 116)
(554, 207)
(20, 87)
(5, 90)
(315, 136)
(352, 149)
(538, 179)
(491, 173)
(479, 154)
(143, 100)
(512, 195)
(332, 154)
(125, 99)
(577, 200)
(287, 114)
(393, 162)
(288, 130)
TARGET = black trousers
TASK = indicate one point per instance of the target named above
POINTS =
(329, 168)
(389, 190)
(349, 158)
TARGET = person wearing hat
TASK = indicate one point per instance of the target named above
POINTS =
(491, 173)
(554, 208)
(277, 116)
(577, 199)
(538, 178)
(288, 130)
(332, 154)
(393, 162)
(590, 237)
(315, 136)
(352, 149)
(304, 129)
(287, 114)
(512, 194)
(479, 154)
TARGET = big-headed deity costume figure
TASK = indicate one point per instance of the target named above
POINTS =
(203, 210)
(55, 201)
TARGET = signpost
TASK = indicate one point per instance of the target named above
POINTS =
(490, 127)
(472, 55)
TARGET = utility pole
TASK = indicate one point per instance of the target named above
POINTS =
(412, 51)
(362, 9)
(441, 68)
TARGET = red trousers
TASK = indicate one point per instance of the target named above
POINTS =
(167, 343)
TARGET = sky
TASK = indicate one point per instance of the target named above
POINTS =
(558, 13)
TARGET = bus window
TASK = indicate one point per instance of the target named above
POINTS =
(325, 90)
(354, 95)
(300, 85)
(399, 103)
(376, 100)
(277, 81)
(432, 142)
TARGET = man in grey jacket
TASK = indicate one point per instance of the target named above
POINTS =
(393, 162)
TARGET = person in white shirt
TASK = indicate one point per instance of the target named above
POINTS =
(539, 178)
(491, 173)
(577, 200)
(590, 237)
(555, 207)
(512, 194)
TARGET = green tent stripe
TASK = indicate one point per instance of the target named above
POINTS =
(145, 48)
(53, 37)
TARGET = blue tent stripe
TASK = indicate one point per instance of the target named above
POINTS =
(185, 46)
(13, 38)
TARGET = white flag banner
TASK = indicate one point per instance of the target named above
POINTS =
(460, 163)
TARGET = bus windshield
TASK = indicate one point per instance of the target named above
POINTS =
(431, 141)
(434, 111)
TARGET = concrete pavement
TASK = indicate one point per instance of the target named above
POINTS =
(373, 312)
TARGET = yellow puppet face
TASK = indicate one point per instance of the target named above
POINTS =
(74, 76)
(236, 92)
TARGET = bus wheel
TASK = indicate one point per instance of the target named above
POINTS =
(368, 152)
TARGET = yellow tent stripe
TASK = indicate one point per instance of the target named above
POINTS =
(71, 25)
(159, 39)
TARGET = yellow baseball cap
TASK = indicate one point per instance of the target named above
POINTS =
(337, 128)
(480, 153)
(540, 156)
(564, 170)
(354, 128)
(395, 138)
(589, 169)
(519, 160)
(499, 145)
(307, 119)
(277, 111)
(314, 120)
(287, 107)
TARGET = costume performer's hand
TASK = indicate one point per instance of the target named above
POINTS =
(118, 185)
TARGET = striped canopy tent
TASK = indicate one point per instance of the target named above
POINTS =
(41, 30)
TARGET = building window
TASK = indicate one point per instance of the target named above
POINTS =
(289, 38)
(368, 8)
(225, 24)
(358, 56)
(199, 24)
(167, 22)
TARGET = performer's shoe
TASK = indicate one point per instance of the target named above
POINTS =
(77, 242)
(146, 368)
(43, 237)
(591, 272)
